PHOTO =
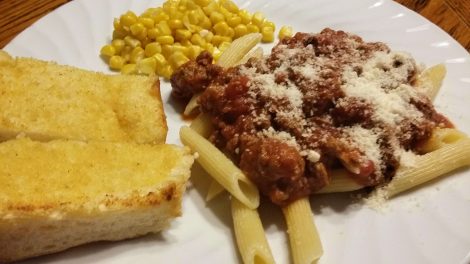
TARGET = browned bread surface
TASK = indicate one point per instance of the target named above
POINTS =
(49, 101)
(63, 193)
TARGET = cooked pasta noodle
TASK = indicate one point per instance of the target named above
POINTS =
(341, 182)
(237, 49)
(202, 125)
(192, 105)
(433, 77)
(303, 235)
(214, 190)
(430, 166)
(249, 234)
(441, 137)
(221, 168)
(256, 53)
(446, 150)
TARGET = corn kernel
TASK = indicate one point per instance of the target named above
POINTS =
(196, 39)
(182, 34)
(117, 24)
(186, 43)
(128, 19)
(245, 16)
(181, 49)
(207, 35)
(230, 33)
(167, 50)
(194, 17)
(108, 50)
(234, 21)
(209, 47)
(221, 28)
(202, 3)
(165, 40)
(119, 34)
(175, 24)
(137, 54)
(191, 5)
(267, 34)
(177, 59)
(285, 32)
(132, 42)
(267, 23)
(152, 48)
(240, 30)
(118, 44)
(153, 33)
(193, 52)
(163, 28)
(216, 17)
(160, 60)
(252, 28)
(147, 22)
(161, 39)
(225, 12)
(142, 36)
(211, 7)
(137, 28)
(165, 71)
(129, 69)
(116, 62)
(258, 19)
(182, 8)
(126, 53)
(217, 39)
(206, 23)
(161, 17)
(230, 6)
(147, 65)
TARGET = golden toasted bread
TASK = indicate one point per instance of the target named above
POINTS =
(63, 193)
(45, 101)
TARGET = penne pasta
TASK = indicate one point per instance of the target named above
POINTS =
(340, 182)
(202, 125)
(430, 166)
(447, 149)
(256, 53)
(214, 190)
(441, 137)
(221, 168)
(303, 235)
(432, 78)
(239, 47)
(192, 105)
(249, 234)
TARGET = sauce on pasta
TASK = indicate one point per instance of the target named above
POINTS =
(318, 102)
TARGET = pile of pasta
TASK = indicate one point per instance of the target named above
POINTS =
(447, 150)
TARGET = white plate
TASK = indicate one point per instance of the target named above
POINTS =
(429, 225)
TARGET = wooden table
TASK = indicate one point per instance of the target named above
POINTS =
(451, 15)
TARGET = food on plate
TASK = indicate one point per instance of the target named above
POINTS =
(82, 158)
(45, 100)
(163, 38)
(317, 103)
(323, 112)
(63, 193)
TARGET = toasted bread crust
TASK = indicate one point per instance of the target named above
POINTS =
(34, 227)
(45, 101)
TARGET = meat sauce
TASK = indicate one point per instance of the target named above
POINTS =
(317, 103)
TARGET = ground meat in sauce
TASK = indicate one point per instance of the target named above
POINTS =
(292, 118)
